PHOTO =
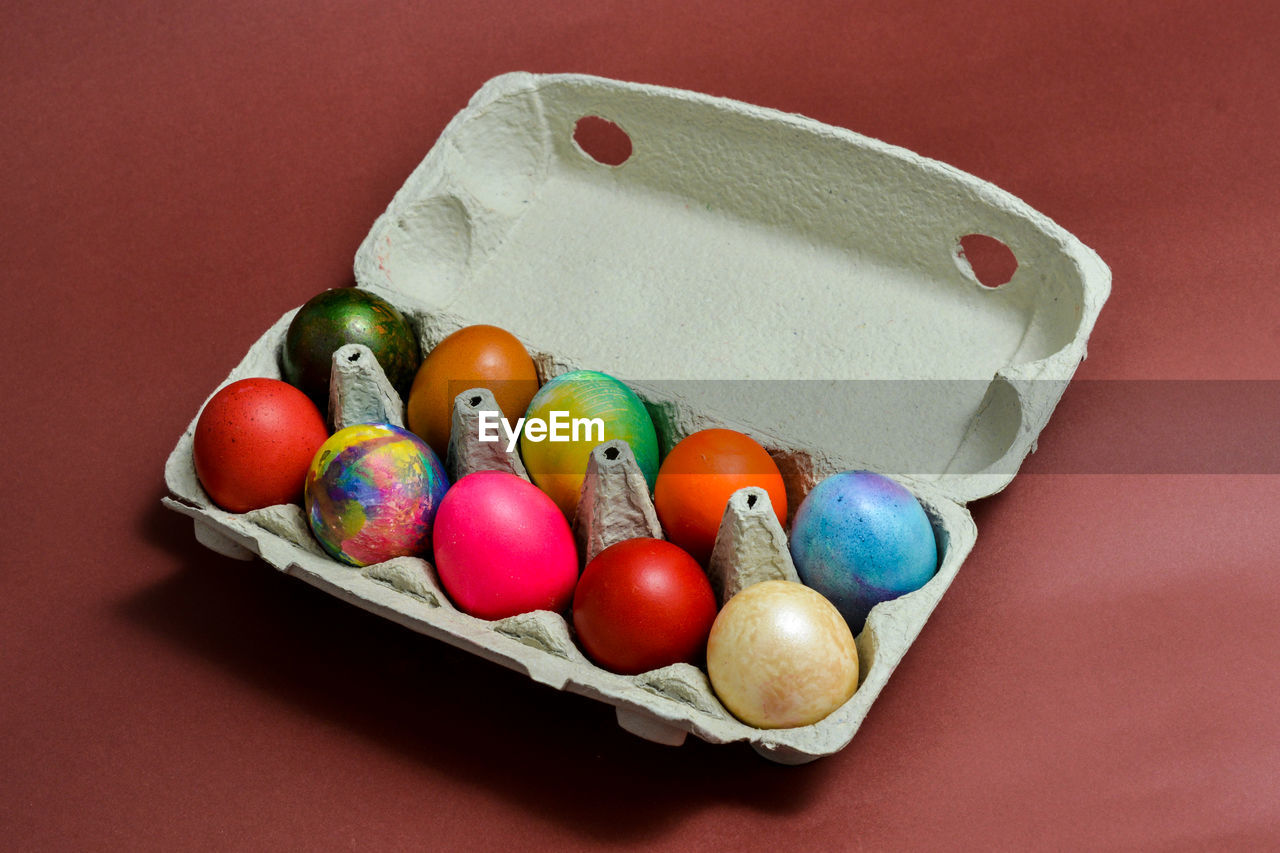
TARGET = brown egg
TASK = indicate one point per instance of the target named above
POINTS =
(472, 357)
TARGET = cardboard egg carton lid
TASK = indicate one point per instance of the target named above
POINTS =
(743, 267)
(817, 270)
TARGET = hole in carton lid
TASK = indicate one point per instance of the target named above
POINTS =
(354, 357)
(751, 501)
(611, 453)
(475, 401)
(986, 260)
(602, 140)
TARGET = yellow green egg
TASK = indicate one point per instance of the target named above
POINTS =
(568, 417)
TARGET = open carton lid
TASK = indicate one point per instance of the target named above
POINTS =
(749, 268)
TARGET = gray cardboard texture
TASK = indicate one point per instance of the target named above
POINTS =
(615, 503)
(736, 243)
(359, 391)
(466, 452)
(750, 547)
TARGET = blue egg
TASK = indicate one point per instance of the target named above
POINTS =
(860, 538)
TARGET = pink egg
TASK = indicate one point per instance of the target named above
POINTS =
(503, 547)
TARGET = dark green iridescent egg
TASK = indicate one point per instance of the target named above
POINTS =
(343, 316)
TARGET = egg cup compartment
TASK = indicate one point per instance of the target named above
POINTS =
(734, 242)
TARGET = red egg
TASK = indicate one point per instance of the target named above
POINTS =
(642, 604)
(254, 442)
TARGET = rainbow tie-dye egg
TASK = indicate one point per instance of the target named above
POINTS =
(372, 493)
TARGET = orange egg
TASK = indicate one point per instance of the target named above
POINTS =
(699, 476)
(472, 357)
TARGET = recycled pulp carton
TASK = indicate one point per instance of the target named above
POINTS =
(743, 267)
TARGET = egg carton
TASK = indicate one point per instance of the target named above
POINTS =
(741, 267)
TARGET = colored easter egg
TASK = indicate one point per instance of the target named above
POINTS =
(860, 538)
(372, 493)
(334, 318)
(642, 604)
(502, 547)
(253, 443)
(472, 357)
(699, 476)
(574, 400)
(780, 655)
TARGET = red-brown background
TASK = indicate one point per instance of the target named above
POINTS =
(176, 176)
